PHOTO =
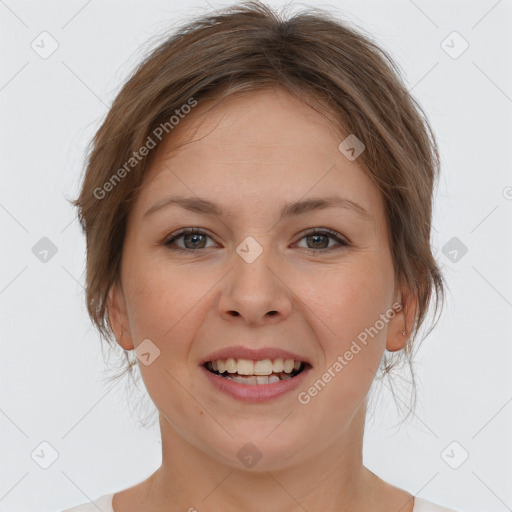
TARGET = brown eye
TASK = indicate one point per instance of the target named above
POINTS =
(318, 241)
(192, 239)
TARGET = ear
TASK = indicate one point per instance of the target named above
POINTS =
(118, 318)
(403, 320)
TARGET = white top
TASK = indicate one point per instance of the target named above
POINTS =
(104, 504)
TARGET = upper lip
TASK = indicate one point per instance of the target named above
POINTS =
(240, 352)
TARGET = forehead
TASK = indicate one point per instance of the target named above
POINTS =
(263, 143)
(269, 121)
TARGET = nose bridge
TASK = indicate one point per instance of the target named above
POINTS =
(252, 264)
(254, 289)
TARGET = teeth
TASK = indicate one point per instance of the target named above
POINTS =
(278, 365)
(244, 367)
(230, 365)
(264, 368)
(288, 365)
(253, 380)
(251, 373)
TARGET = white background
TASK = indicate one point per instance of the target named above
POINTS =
(52, 364)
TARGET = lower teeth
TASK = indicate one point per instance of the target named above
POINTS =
(253, 380)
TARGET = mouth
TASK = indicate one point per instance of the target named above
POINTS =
(254, 373)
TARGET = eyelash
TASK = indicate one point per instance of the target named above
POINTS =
(196, 231)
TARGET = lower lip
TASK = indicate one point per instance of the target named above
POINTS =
(257, 392)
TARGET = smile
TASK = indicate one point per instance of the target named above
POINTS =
(253, 373)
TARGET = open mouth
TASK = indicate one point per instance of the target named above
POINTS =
(246, 371)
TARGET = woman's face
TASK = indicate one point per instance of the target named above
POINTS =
(258, 280)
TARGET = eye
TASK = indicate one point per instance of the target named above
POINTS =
(318, 238)
(193, 238)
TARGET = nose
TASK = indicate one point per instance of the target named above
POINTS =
(256, 292)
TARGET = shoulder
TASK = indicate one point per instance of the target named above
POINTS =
(104, 503)
(421, 505)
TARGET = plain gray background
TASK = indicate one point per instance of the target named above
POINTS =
(52, 365)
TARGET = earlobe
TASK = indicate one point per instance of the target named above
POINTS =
(400, 326)
(118, 319)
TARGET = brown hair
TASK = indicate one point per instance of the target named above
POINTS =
(247, 47)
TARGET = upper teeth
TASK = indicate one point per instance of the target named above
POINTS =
(249, 367)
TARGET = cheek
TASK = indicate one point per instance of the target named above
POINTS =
(353, 300)
(160, 302)
(161, 308)
(349, 301)
(351, 296)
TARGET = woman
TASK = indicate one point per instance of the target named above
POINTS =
(257, 206)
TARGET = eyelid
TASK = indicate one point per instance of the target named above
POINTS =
(183, 232)
(323, 231)
(340, 239)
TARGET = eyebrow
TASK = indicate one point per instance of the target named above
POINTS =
(205, 207)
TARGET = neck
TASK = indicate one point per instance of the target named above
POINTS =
(332, 479)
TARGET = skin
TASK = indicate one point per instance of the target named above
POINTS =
(250, 154)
